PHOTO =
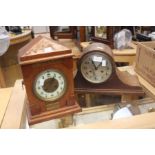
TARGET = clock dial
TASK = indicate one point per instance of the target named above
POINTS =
(96, 67)
(50, 85)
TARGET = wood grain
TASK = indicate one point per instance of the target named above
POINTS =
(143, 121)
(36, 49)
(145, 61)
(5, 94)
(16, 108)
(125, 55)
(2, 81)
(15, 39)
(148, 88)
(12, 73)
(33, 61)
(119, 83)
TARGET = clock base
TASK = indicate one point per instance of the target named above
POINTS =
(48, 115)
(114, 86)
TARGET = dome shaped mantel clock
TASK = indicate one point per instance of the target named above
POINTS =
(47, 68)
(97, 73)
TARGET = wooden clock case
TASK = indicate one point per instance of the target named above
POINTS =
(32, 63)
(119, 82)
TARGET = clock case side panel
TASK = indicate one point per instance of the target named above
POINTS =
(30, 72)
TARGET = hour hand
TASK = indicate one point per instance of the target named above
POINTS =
(99, 65)
(96, 67)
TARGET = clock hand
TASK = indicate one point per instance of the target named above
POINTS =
(94, 71)
(94, 64)
(99, 65)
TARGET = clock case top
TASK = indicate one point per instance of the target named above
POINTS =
(119, 83)
(42, 49)
(34, 62)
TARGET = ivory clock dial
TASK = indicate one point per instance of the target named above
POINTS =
(96, 67)
(50, 85)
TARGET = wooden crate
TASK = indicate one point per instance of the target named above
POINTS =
(145, 64)
(145, 61)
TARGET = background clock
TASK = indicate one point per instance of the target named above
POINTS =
(47, 69)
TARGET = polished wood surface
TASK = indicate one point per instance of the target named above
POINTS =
(59, 58)
(82, 34)
(119, 83)
(14, 117)
(42, 47)
(15, 39)
(147, 87)
(2, 80)
(113, 86)
(5, 94)
(12, 73)
(125, 55)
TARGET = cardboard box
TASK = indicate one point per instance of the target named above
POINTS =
(145, 61)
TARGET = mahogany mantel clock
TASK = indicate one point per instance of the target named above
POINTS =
(97, 73)
(47, 69)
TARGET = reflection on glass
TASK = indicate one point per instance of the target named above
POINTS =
(63, 29)
(101, 32)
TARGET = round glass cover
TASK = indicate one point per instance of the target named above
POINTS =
(50, 85)
(96, 67)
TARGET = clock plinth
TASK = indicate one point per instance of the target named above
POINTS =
(113, 86)
(47, 69)
(52, 114)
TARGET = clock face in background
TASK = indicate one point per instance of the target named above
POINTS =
(96, 67)
(50, 85)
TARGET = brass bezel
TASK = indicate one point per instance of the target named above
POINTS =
(90, 54)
